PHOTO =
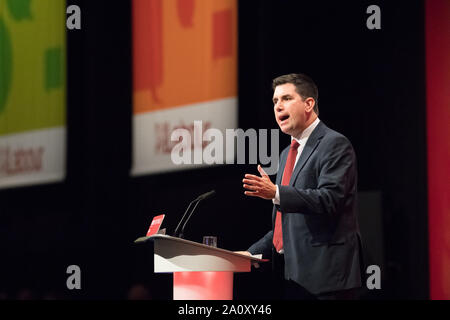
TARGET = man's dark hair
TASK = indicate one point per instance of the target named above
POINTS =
(304, 86)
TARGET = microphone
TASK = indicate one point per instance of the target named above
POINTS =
(206, 195)
(196, 201)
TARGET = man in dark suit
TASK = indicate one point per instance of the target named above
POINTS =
(315, 236)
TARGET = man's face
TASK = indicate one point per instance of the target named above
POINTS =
(290, 109)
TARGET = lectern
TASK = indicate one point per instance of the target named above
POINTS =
(200, 272)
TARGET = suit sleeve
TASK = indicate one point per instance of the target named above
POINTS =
(264, 245)
(336, 180)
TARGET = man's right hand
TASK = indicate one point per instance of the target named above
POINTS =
(246, 253)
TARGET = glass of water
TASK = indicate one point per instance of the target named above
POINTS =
(210, 241)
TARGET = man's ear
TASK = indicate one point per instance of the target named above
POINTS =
(310, 103)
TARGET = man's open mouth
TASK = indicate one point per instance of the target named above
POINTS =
(283, 117)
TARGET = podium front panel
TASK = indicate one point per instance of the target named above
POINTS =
(203, 285)
(177, 256)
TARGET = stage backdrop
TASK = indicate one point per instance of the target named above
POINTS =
(438, 140)
(184, 70)
(32, 91)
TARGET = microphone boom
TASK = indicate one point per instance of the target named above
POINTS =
(196, 201)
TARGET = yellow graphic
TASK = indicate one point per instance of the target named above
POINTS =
(32, 65)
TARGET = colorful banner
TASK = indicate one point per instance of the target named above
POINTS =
(32, 91)
(437, 22)
(184, 70)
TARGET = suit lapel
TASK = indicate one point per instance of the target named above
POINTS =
(311, 145)
(278, 179)
(282, 164)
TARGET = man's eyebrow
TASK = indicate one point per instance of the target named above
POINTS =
(283, 96)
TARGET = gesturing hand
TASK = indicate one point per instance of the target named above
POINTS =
(246, 253)
(259, 186)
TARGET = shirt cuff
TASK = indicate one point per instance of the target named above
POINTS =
(276, 200)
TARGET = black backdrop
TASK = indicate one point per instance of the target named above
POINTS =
(372, 89)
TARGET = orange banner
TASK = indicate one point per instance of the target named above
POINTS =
(185, 52)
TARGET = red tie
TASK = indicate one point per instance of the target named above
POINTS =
(288, 168)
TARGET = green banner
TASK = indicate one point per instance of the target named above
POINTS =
(32, 65)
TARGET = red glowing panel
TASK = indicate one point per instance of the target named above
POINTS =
(203, 285)
(437, 24)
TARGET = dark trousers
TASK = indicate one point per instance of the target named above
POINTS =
(290, 290)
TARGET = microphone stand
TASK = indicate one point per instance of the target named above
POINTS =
(192, 211)
(176, 233)
(196, 201)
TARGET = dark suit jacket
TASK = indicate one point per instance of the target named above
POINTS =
(319, 219)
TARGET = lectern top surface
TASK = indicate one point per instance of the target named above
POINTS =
(170, 238)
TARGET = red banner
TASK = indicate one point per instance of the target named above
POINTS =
(438, 141)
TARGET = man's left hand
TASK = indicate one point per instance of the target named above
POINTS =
(259, 186)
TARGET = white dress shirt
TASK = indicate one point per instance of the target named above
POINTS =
(302, 142)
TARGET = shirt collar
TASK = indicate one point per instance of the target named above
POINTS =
(307, 132)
